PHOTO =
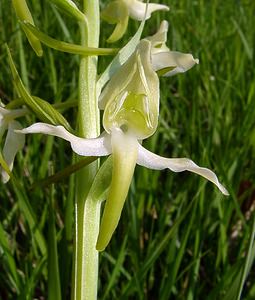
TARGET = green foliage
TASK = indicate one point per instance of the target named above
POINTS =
(43, 110)
(178, 238)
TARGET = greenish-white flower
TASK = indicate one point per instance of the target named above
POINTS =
(118, 12)
(166, 62)
(13, 141)
(131, 108)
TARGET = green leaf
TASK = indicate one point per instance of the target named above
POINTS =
(43, 110)
(54, 290)
(64, 173)
(248, 49)
(29, 215)
(8, 258)
(32, 281)
(248, 261)
(68, 47)
(181, 251)
(237, 284)
(102, 181)
(26, 208)
(57, 118)
(117, 268)
(161, 245)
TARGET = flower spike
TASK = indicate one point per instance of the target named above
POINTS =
(131, 107)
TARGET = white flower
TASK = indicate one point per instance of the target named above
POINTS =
(137, 8)
(167, 62)
(118, 12)
(131, 109)
(14, 141)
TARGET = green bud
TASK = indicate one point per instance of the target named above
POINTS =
(23, 14)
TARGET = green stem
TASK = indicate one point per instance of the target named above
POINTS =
(87, 211)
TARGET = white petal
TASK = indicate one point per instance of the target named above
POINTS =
(152, 161)
(6, 115)
(3, 111)
(158, 40)
(3, 124)
(137, 9)
(161, 34)
(13, 143)
(100, 146)
(177, 61)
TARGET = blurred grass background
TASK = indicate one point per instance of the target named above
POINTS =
(178, 237)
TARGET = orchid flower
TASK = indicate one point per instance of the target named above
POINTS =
(164, 61)
(118, 12)
(131, 110)
(14, 141)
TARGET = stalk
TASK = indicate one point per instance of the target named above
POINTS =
(87, 211)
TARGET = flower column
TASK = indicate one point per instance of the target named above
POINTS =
(87, 211)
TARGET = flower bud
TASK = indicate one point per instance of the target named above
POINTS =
(23, 13)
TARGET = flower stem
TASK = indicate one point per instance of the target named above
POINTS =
(87, 211)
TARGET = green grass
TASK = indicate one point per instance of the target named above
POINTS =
(178, 237)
